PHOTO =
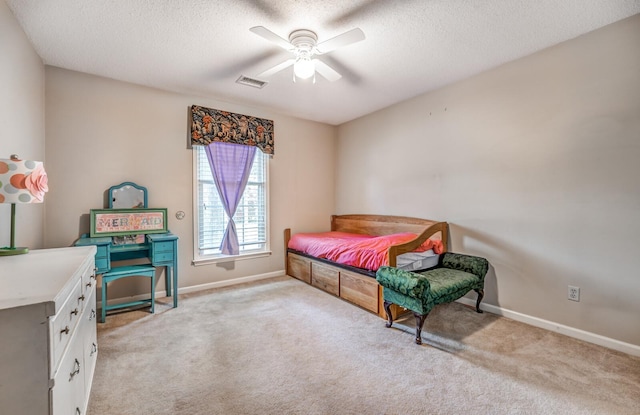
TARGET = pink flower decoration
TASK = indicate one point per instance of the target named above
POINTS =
(37, 183)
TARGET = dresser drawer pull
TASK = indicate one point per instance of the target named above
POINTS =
(65, 330)
(76, 370)
(92, 315)
(75, 312)
(78, 411)
(94, 349)
(89, 284)
(81, 298)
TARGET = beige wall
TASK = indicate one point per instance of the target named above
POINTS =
(21, 122)
(101, 132)
(534, 165)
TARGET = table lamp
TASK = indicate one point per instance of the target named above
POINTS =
(21, 181)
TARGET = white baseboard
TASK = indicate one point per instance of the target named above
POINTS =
(234, 281)
(195, 288)
(610, 343)
(514, 315)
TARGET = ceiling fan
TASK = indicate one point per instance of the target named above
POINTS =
(304, 46)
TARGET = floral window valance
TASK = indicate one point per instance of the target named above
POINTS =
(209, 125)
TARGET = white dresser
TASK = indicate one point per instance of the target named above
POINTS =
(48, 341)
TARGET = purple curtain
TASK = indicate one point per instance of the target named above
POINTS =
(230, 165)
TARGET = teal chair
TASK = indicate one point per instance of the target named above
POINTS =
(145, 270)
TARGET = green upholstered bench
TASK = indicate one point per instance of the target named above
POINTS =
(453, 277)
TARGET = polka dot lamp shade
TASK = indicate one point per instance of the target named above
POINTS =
(22, 181)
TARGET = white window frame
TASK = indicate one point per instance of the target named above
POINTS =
(201, 259)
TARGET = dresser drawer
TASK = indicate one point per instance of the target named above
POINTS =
(88, 282)
(63, 324)
(102, 251)
(161, 257)
(103, 265)
(103, 258)
(162, 252)
(87, 330)
(163, 247)
(68, 391)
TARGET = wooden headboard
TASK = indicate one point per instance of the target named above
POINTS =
(386, 225)
(379, 224)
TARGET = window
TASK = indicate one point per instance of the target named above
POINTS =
(211, 219)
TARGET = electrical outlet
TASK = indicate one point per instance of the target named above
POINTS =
(574, 293)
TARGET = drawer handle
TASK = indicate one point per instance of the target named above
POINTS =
(94, 349)
(74, 312)
(65, 330)
(81, 298)
(92, 315)
(89, 284)
(78, 411)
(76, 369)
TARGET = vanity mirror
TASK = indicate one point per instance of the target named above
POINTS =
(127, 195)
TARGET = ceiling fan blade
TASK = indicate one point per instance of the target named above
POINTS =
(272, 37)
(242, 65)
(265, 8)
(362, 11)
(277, 68)
(347, 38)
(326, 70)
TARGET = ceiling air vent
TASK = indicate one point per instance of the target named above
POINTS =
(243, 80)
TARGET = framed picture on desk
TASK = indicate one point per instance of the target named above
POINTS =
(119, 222)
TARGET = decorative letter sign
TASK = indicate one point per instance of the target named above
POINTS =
(117, 222)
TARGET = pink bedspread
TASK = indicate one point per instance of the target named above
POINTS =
(362, 251)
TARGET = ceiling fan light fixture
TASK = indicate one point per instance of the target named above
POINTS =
(304, 68)
(303, 44)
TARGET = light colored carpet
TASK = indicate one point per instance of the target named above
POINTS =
(280, 346)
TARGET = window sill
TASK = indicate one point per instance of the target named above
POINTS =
(218, 259)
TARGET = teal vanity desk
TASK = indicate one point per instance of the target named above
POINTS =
(160, 248)
(116, 234)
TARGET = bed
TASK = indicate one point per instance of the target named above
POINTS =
(357, 284)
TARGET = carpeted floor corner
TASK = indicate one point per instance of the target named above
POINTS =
(280, 346)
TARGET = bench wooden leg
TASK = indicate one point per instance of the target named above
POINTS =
(480, 297)
(387, 309)
(420, 318)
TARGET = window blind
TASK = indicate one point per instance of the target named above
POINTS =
(250, 217)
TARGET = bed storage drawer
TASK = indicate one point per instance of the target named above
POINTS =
(325, 278)
(299, 267)
(360, 290)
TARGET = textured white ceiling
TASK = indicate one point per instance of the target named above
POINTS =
(202, 46)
